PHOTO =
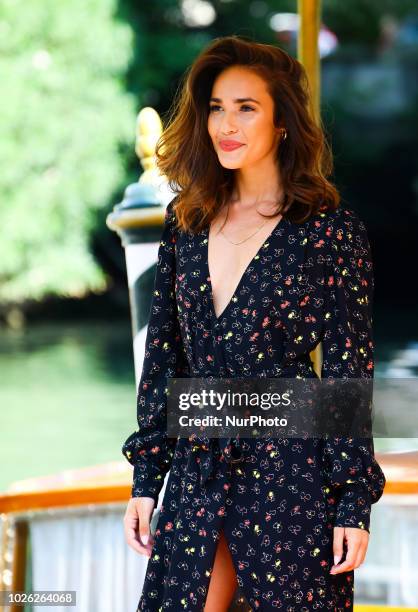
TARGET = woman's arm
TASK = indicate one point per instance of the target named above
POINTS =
(348, 351)
(148, 448)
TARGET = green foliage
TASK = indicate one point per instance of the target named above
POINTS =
(359, 21)
(64, 116)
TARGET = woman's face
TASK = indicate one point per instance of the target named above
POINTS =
(241, 111)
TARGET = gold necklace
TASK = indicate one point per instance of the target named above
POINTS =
(245, 239)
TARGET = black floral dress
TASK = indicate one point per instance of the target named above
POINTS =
(276, 500)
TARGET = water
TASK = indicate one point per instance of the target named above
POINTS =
(68, 397)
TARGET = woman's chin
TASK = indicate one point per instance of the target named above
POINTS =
(230, 164)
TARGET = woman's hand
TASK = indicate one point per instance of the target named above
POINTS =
(357, 541)
(137, 524)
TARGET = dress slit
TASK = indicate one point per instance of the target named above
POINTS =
(238, 601)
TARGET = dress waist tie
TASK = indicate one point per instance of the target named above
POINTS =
(230, 449)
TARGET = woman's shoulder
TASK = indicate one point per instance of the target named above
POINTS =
(338, 222)
(336, 233)
(341, 214)
(170, 213)
(170, 217)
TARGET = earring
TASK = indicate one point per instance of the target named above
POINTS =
(284, 133)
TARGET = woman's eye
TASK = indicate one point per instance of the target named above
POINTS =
(214, 107)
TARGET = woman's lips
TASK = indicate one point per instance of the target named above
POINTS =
(230, 146)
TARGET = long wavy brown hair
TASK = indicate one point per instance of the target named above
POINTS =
(186, 156)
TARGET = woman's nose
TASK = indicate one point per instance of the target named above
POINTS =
(227, 124)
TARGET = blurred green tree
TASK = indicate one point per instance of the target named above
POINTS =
(65, 114)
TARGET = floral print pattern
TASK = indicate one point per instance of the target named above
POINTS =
(276, 500)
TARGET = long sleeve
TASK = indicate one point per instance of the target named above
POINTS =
(348, 352)
(148, 448)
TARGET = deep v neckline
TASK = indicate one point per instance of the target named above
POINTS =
(243, 275)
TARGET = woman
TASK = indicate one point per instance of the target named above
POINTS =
(257, 264)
